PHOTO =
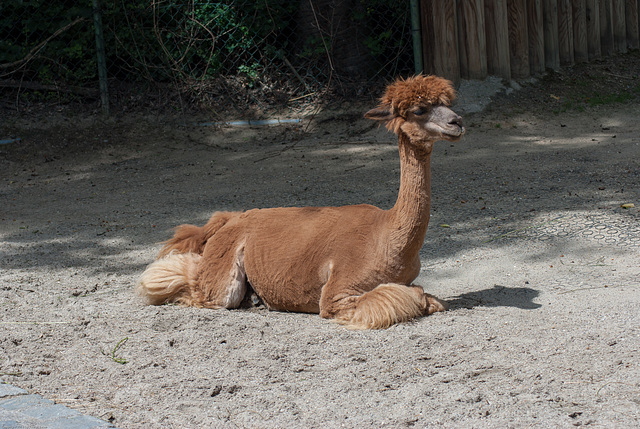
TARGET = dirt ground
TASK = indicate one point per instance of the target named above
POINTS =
(528, 241)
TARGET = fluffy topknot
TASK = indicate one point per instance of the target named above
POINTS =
(417, 90)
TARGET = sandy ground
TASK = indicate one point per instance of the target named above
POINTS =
(527, 241)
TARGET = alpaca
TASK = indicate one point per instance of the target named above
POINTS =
(354, 264)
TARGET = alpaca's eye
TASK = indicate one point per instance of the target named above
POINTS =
(420, 111)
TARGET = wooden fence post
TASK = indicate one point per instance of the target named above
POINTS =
(496, 26)
(440, 39)
(535, 27)
(551, 48)
(606, 27)
(472, 40)
(619, 27)
(428, 38)
(593, 29)
(633, 30)
(518, 38)
(565, 32)
(580, 46)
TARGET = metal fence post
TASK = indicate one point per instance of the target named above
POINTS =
(102, 62)
(416, 32)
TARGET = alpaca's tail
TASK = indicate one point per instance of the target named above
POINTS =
(191, 238)
(171, 278)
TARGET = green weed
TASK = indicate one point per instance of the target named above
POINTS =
(114, 352)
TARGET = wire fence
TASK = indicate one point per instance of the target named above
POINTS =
(249, 57)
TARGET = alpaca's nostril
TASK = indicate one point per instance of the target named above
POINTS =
(456, 121)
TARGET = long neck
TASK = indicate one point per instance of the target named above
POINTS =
(410, 215)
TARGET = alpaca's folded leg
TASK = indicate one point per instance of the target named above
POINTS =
(381, 307)
(434, 304)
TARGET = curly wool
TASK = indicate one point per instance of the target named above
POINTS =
(418, 90)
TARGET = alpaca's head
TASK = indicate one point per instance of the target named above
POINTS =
(419, 107)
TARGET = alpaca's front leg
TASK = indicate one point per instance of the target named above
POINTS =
(379, 308)
(434, 304)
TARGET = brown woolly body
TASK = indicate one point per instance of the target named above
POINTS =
(353, 263)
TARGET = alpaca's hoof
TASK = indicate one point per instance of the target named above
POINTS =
(434, 304)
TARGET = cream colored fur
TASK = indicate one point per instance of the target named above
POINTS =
(169, 278)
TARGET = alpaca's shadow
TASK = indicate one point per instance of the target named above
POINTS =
(497, 296)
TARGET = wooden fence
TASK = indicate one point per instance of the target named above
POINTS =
(472, 39)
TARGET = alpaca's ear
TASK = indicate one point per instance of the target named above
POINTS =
(380, 113)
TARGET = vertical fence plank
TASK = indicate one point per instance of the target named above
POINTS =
(565, 32)
(496, 26)
(471, 39)
(551, 48)
(536, 36)
(633, 30)
(619, 27)
(593, 29)
(440, 38)
(580, 46)
(606, 27)
(428, 38)
(518, 38)
(450, 62)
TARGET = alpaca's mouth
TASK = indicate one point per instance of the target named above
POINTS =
(454, 131)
